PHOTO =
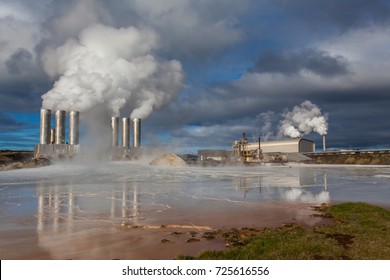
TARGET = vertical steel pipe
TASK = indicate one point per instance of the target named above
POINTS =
(125, 132)
(60, 127)
(115, 130)
(44, 132)
(136, 132)
(74, 128)
(324, 142)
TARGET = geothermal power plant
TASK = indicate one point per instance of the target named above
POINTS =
(54, 144)
(60, 139)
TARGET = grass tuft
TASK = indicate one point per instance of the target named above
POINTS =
(359, 231)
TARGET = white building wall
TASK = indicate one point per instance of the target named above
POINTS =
(284, 146)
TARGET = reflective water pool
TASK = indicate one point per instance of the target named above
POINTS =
(65, 211)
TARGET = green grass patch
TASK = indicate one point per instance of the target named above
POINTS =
(358, 231)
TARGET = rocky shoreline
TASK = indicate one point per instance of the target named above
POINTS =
(10, 160)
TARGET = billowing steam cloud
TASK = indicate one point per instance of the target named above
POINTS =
(110, 68)
(303, 119)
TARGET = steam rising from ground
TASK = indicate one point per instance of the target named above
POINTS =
(112, 69)
(303, 119)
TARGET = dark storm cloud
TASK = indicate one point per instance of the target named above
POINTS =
(360, 122)
(290, 62)
(8, 123)
(193, 29)
(344, 14)
(20, 61)
(23, 95)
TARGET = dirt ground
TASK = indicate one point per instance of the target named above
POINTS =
(10, 160)
(357, 158)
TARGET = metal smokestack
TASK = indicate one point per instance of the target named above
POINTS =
(60, 127)
(125, 132)
(115, 130)
(324, 142)
(74, 128)
(136, 132)
(44, 133)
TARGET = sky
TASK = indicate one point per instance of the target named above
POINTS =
(199, 72)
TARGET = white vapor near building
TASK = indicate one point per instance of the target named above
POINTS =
(303, 119)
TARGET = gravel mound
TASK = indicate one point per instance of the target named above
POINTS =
(168, 159)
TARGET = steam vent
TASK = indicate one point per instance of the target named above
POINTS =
(123, 150)
(54, 143)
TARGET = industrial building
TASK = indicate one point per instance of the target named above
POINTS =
(254, 152)
(244, 151)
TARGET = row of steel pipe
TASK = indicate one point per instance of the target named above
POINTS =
(126, 132)
(57, 135)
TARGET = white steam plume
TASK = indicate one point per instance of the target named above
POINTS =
(303, 119)
(110, 68)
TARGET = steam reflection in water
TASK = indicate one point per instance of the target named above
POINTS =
(68, 203)
(131, 192)
(135, 201)
(69, 211)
